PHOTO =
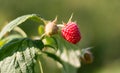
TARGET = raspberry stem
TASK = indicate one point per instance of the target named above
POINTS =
(19, 30)
(42, 36)
(60, 25)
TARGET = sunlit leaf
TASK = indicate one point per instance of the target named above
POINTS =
(69, 54)
(9, 38)
(41, 30)
(19, 21)
(18, 56)
(50, 42)
(53, 56)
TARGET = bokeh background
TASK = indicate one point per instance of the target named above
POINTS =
(99, 22)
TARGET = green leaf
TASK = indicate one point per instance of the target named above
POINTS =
(19, 21)
(39, 44)
(18, 56)
(50, 42)
(69, 54)
(55, 57)
(41, 30)
(9, 38)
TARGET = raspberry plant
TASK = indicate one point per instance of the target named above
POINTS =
(22, 54)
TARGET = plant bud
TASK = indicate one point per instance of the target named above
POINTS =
(51, 28)
(86, 57)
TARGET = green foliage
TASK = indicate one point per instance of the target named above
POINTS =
(98, 19)
(19, 21)
(69, 53)
(19, 54)
(55, 57)
(41, 30)
(39, 44)
(50, 42)
(9, 38)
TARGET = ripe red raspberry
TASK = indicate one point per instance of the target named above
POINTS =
(71, 32)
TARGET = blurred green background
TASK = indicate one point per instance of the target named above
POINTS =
(99, 22)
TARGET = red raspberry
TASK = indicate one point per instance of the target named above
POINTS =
(71, 33)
